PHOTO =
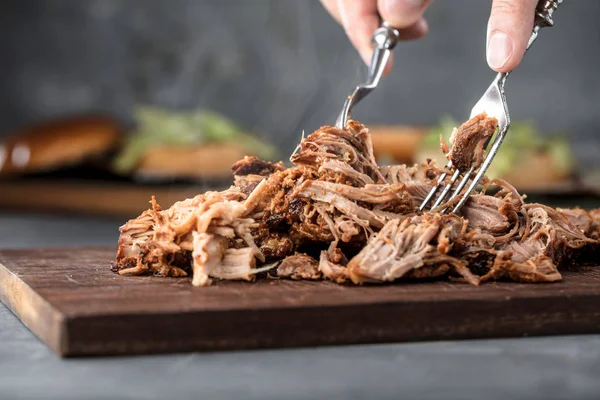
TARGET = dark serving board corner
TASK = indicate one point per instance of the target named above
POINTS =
(72, 301)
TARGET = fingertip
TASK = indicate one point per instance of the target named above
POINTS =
(416, 31)
(509, 29)
(422, 26)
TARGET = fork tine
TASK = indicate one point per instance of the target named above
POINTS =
(441, 199)
(486, 163)
(460, 186)
(493, 102)
(447, 189)
(496, 145)
(435, 188)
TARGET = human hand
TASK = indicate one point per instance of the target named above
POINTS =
(509, 26)
(360, 19)
(509, 29)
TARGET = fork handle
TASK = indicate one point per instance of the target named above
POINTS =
(386, 36)
(543, 17)
(384, 40)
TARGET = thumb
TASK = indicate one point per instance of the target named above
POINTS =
(509, 29)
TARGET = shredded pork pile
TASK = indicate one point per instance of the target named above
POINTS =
(335, 214)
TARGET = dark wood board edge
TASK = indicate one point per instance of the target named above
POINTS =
(571, 307)
(33, 311)
(332, 325)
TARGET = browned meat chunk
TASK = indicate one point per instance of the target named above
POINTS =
(250, 171)
(255, 166)
(468, 140)
(299, 266)
(277, 246)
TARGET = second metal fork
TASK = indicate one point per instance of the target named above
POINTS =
(384, 40)
(493, 102)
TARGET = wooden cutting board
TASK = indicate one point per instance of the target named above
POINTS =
(72, 301)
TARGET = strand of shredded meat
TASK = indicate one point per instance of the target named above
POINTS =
(337, 215)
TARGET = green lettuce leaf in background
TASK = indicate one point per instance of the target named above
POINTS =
(156, 126)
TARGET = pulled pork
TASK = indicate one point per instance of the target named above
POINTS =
(335, 214)
(468, 142)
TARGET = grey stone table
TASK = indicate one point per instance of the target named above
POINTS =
(545, 368)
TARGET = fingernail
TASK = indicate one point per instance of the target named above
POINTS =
(499, 50)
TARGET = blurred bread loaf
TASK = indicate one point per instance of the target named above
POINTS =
(58, 143)
(399, 143)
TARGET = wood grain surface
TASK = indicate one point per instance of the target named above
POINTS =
(72, 301)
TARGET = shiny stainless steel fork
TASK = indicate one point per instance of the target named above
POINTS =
(384, 39)
(493, 102)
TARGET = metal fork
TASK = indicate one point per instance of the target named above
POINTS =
(493, 102)
(384, 39)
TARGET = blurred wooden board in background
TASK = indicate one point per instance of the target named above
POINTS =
(96, 198)
(123, 199)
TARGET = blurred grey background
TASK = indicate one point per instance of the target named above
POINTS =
(282, 66)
